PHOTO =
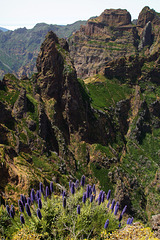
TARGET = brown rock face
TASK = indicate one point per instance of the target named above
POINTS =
(115, 17)
(109, 36)
(57, 79)
(57, 82)
(147, 15)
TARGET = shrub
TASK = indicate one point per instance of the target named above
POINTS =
(49, 216)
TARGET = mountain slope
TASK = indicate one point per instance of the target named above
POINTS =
(19, 48)
(3, 29)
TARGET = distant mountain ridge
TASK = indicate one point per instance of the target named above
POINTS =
(19, 48)
(4, 29)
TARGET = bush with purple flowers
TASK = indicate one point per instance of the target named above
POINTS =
(78, 213)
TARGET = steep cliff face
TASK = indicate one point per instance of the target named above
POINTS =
(111, 36)
(103, 39)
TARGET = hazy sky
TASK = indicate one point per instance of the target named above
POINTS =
(20, 13)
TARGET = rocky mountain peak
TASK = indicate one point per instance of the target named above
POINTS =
(147, 15)
(115, 17)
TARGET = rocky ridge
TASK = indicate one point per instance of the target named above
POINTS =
(106, 128)
(111, 36)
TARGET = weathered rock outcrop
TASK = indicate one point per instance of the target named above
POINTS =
(109, 36)
(57, 80)
(147, 37)
(147, 15)
(20, 106)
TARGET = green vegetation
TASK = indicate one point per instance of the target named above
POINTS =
(59, 216)
(106, 93)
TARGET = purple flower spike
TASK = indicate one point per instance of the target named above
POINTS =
(108, 203)
(112, 206)
(78, 209)
(39, 215)
(21, 207)
(8, 209)
(22, 199)
(25, 199)
(84, 197)
(22, 219)
(82, 181)
(72, 188)
(39, 203)
(116, 208)
(128, 220)
(91, 198)
(77, 184)
(103, 197)
(106, 224)
(87, 192)
(29, 201)
(119, 225)
(64, 202)
(33, 197)
(28, 211)
(38, 194)
(108, 194)
(13, 209)
(47, 191)
(41, 187)
(120, 217)
(124, 209)
(64, 194)
(51, 187)
(93, 188)
(12, 213)
(99, 200)
(70, 184)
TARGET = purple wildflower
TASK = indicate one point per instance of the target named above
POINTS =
(128, 221)
(22, 219)
(29, 201)
(116, 208)
(108, 194)
(39, 215)
(64, 202)
(12, 213)
(47, 191)
(28, 211)
(93, 188)
(106, 224)
(120, 217)
(87, 192)
(39, 203)
(22, 199)
(41, 187)
(38, 194)
(108, 203)
(119, 225)
(33, 197)
(91, 198)
(103, 197)
(13, 209)
(21, 206)
(78, 209)
(70, 184)
(51, 187)
(84, 197)
(72, 188)
(82, 181)
(8, 209)
(64, 194)
(112, 206)
(124, 209)
(77, 184)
